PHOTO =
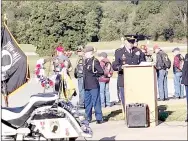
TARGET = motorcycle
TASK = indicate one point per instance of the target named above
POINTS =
(44, 117)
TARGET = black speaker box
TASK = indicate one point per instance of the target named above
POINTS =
(137, 115)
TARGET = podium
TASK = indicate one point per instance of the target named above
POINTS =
(140, 86)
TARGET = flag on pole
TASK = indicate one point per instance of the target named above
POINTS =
(13, 62)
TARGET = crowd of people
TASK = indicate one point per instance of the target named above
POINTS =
(94, 73)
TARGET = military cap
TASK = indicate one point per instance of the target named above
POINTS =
(176, 49)
(136, 38)
(131, 38)
(89, 49)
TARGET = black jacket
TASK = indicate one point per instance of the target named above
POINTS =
(159, 61)
(79, 65)
(92, 71)
(134, 58)
(185, 71)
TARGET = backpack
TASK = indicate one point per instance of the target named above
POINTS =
(79, 69)
(166, 60)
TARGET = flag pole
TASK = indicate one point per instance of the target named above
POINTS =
(5, 18)
(5, 93)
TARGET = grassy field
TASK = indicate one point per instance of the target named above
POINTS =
(28, 47)
(100, 46)
(107, 45)
(168, 111)
(32, 62)
(116, 44)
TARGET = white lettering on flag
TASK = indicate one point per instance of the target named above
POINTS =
(16, 56)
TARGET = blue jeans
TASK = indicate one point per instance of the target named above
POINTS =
(162, 84)
(81, 90)
(104, 94)
(92, 99)
(186, 90)
(122, 97)
(179, 88)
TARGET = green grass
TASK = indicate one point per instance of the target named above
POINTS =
(27, 47)
(107, 45)
(32, 62)
(116, 44)
(99, 45)
(175, 111)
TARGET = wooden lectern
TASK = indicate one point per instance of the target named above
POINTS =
(140, 86)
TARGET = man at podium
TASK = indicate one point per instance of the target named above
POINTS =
(128, 54)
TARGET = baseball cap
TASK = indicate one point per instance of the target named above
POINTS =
(60, 48)
(89, 49)
(103, 54)
(155, 47)
(176, 49)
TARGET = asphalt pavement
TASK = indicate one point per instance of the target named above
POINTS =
(21, 97)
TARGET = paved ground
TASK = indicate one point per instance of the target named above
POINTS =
(113, 130)
(117, 130)
(22, 96)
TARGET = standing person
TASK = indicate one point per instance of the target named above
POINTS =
(147, 55)
(127, 55)
(61, 58)
(78, 74)
(185, 79)
(177, 69)
(92, 72)
(162, 65)
(105, 79)
(143, 49)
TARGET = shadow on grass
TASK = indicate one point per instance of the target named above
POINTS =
(112, 114)
(163, 114)
(108, 138)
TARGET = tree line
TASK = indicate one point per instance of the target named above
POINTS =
(45, 24)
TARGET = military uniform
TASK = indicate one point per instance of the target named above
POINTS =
(122, 57)
(126, 56)
(92, 71)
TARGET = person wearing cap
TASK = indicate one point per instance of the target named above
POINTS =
(62, 59)
(146, 54)
(78, 74)
(162, 73)
(185, 79)
(130, 55)
(177, 69)
(105, 79)
(92, 72)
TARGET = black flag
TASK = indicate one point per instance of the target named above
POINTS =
(13, 62)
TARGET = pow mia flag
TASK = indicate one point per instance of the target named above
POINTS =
(13, 62)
